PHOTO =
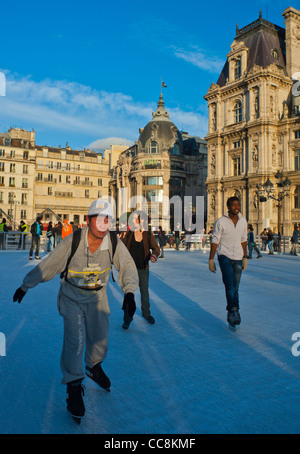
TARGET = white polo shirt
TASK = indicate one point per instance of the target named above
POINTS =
(230, 237)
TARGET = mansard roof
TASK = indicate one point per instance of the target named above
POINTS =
(262, 38)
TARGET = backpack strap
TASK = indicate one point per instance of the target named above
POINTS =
(114, 241)
(75, 243)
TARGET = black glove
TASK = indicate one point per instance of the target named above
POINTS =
(19, 295)
(129, 304)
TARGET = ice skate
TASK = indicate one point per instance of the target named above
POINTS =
(75, 405)
(97, 374)
(233, 318)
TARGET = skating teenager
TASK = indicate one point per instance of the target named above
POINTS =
(143, 247)
(229, 240)
(82, 298)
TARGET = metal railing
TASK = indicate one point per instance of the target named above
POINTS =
(202, 242)
(14, 240)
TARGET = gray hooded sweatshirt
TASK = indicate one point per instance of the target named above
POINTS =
(86, 270)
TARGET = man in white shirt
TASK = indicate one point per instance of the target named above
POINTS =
(229, 240)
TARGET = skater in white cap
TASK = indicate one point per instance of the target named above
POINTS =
(82, 298)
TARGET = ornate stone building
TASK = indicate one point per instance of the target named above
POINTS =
(162, 163)
(254, 124)
(36, 178)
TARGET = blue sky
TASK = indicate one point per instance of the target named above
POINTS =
(89, 73)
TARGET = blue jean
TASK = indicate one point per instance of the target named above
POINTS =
(231, 274)
(270, 246)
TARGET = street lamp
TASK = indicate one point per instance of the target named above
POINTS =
(267, 191)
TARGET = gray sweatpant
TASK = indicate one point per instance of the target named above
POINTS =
(85, 328)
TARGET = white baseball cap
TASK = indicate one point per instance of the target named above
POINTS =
(100, 207)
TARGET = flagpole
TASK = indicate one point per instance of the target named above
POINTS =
(161, 86)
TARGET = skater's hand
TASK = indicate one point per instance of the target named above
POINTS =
(19, 295)
(212, 265)
(129, 304)
(244, 264)
(153, 258)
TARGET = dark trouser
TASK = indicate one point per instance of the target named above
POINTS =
(22, 241)
(35, 244)
(2, 240)
(144, 289)
(231, 275)
(252, 246)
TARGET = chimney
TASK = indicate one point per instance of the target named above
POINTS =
(292, 41)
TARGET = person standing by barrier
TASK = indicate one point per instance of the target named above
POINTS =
(66, 229)
(23, 235)
(36, 232)
(177, 237)
(58, 233)
(162, 240)
(229, 240)
(3, 230)
(294, 240)
(50, 236)
(270, 236)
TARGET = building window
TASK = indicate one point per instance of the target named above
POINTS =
(153, 147)
(99, 181)
(297, 134)
(153, 196)
(2, 166)
(238, 68)
(68, 179)
(236, 166)
(238, 112)
(2, 152)
(23, 214)
(176, 149)
(1, 181)
(87, 194)
(25, 155)
(297, 160)
(152, 164)
(50, 190)
(25, 168)
(237, 144)
(7, 142)
(12, 168)
(297, 197)
(24, 182)
(24, 199)
(153, 181)
(12, 182)
(12, 153)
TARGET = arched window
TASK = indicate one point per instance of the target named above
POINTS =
(297, 197)
(238, 112)
(153, 147)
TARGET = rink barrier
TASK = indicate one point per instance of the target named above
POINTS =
(199, 242)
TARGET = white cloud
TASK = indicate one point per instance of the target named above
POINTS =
(103, 144)
(75, 109)
(198, 58)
